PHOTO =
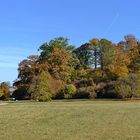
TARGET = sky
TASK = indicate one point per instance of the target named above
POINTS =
(27, 24)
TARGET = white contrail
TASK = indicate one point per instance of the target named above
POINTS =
(112, 22)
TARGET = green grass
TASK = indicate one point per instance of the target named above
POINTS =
(75, 120)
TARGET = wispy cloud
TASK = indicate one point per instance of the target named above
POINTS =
(11, 56)
(8, 65)
(114, 20)
(15, 51)
(9, 61)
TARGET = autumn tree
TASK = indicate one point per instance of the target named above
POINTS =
(59, 57)
(60, 64)
(28, 68)
(130, 47)
(5, 89)
(128, 42)
(120, 62)
(134, 54)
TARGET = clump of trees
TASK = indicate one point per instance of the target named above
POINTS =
(96, 69)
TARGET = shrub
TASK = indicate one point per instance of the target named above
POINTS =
(86, 92)
(44, 98)
(84, 83)
(93, 95)
(58, 86)
(81, 93)
(123, 90)
(69, 91)
(21, 93)
(129, 87)
(134, 80)
(106, 90)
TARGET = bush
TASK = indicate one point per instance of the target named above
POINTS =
(81, 93)
(129, 87)
(21, 93)
(123, 90)
(84, 83)
(58, 86)
(106, 90)
(69, 91)
(93, 95)
(86, 92)
(134, 80)
(44, 98)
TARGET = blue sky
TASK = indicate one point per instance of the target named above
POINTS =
(26, 24)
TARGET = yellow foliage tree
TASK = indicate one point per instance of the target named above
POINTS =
(119, 65)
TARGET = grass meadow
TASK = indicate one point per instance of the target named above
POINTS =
(70, 120)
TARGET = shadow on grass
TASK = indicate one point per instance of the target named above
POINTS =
(75, 100)
(70, 100)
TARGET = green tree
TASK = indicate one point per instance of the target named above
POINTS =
(84, 54)
(107, 53)
(47, 48)
(58, 55)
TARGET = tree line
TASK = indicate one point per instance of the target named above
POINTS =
(96, 69)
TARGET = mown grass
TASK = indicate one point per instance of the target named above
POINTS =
(75, 120)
